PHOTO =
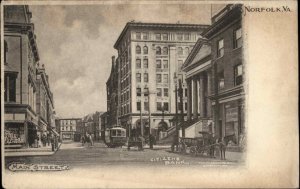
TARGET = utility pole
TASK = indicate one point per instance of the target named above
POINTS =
(180, 91)
(141, 121)
(216, 107)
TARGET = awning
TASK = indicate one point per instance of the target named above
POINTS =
(54, 132)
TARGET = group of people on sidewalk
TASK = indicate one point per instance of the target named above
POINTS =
(87, 138)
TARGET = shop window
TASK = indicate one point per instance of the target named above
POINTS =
(138, 91)
(165, 51)
(145, 50)
(146, 77)
(220, 51)
(145, 62)
(138, 63)
(10, 87)
(238, 74)
(237, 38)
(221, 80)
(138, 35)
(158, 50)
(138, 49)
(138, 77)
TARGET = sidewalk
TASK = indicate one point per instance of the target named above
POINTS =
(42, 151)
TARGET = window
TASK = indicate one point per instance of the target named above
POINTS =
(165, 64)
(145, 36)
(185, 92)
(165, 36)
(165, 51)
(166, 92)
(238, 74)
(138, 106)
(138, 49)
(180, 50)
(237, 38)
(5, 51)
(158, 64)
(67, 128)
(159, 90)
(179, 36)
(186, 36)
(221, 80)
(180, 63)
(158, 78)
(166, 78)
(158, 36)
(158, 50)
(138, 35)
(138, 91)
(186, 50)
(146, 77)
(166, 106)
(185, 106)
(146, 106)
(138, 63)
(145, 50)
(220, 48)
(10, 87)
(145, 61)
(158, 106)
(138, 77)
(146, 91)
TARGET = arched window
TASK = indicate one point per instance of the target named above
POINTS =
(158, 50)
(138, 49)
(165, 51)
(180, 50)
(5, 51)
(187, 50)
(145, 50)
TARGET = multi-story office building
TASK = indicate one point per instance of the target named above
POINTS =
(149, 56)
(20, 60)
(228, 97)
(68, 127)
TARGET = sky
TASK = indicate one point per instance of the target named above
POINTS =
(75, 44)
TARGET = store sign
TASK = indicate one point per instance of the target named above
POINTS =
(232, 114)
(14, 135)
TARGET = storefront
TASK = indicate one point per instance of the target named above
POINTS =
(14, 135)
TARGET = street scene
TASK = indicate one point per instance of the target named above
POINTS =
(91, 90)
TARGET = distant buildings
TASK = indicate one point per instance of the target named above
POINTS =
(142, 81)
(28, 99)
(69, 129)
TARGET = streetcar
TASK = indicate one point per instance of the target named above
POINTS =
(115, 137)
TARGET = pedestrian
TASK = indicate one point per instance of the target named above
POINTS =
(212, 146)
(56, 142)
(91, 139)
(222, 145)
(52, 143)
(82, 140)
(175, 143)
(151, 138)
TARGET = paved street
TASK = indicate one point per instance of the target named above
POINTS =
(75, 155)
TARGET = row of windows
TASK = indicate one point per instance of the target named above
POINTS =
(238, 76)
(162, 92)
(125, 83)
(163, 36)
(162, 78)
(162, 51)
(237, 42)
(139, 65)
(125, 97)
(139, 91)
(160, 106)
(68, 128)
(139, 77)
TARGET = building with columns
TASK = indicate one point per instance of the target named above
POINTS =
(149, 55)
(198, 77)
(227, 65)
(20, 59)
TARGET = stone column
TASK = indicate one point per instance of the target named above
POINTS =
(202, 96)
(189, 99)
(209, 92)
(195, 99)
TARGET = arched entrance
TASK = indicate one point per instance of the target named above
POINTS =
(162, 127)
